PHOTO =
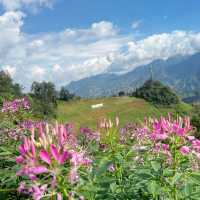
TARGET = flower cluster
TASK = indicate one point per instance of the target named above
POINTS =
(90, 134)
(166, 136)
(107, 124)
(49, 158)
(16, 105)
(29, 124)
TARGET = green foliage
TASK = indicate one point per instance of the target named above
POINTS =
(8, 151)
(156, 93)
(44, 99)
(44, 91)
(121, 93)
(195, 120)
(65, 95)
(8, 89)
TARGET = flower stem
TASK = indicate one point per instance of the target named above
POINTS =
(174, 168)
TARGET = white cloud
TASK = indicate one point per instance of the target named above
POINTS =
(136, 24)
(56, 68)
(158, 46)
(11, 5)
(72, 54)
(104, 28)
(38, 72)
(9, 69)
(10, 26)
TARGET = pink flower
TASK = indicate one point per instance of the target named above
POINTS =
(73, 175)
(111, 168)
(59, 196)
(54, 152)
(45, 156)
(21, 187)
(87, 161)
(38, 170)
(77, 158)
(156, 148)
(64, 157)
(180, 132)
(158, 136)
(16, 105)
(22, 149)
(60, 158)
(19, 159)
(165, 147)
(53, 182)
(190, 137)
(184, 150)
(37, 192)
(196, 145)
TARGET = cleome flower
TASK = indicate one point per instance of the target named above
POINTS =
(50, 154)
(16, 105)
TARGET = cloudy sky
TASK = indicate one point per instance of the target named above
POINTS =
(66, 40)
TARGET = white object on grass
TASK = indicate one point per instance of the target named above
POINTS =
(97, 106)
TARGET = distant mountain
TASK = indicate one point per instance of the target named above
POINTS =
(181, 73)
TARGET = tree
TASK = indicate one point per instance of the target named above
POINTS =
(8, 89)
(44, 98)
(44, 91)
(195, 119)
(157, 93)
(121, 93)
(65, 95)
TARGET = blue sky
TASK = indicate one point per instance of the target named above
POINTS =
(156, 15)
(66, 40)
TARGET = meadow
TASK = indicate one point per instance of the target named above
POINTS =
(127, 149)
(129, 109)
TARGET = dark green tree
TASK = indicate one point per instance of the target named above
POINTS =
(8, 89)
(121, 93)
(65, 95)
(157, 93)
(44, 99)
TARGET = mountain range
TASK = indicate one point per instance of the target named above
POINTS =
(181, 73)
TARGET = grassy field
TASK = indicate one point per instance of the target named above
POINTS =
(127, 108)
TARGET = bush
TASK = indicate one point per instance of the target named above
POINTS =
(157, 93)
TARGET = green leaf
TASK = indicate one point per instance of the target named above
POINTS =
(188, 189)
(154, 188)
(7, 153)
(167, 172)
(156, 165)
(195, 178)
(144, 173)
(176, 178)
(102, 167)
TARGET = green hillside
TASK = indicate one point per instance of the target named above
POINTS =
(127, 108)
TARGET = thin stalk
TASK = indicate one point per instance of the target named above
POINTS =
(174, 168)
